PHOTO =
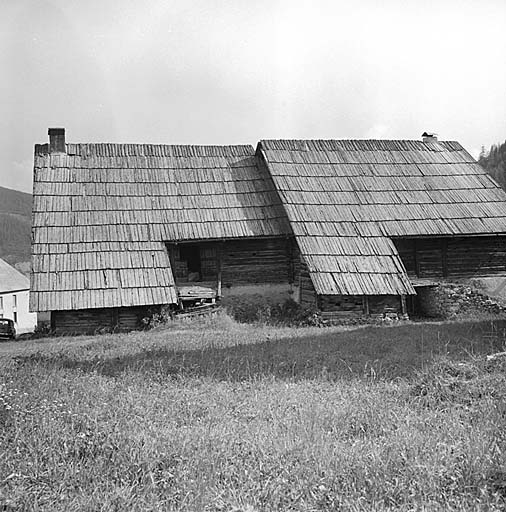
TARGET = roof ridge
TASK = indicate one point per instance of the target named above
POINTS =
(357, 145)
(110, 149)
(353, 140)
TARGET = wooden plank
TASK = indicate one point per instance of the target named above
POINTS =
(366, 304)
(219, 265)
(444, 256)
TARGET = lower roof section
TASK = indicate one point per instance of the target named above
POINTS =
(334, 283)
(354, 266)
(101, 275)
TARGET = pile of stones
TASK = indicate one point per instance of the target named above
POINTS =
(451, 300)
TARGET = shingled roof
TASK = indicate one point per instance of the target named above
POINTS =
(102, 212)
(347, 199)
(11, 280)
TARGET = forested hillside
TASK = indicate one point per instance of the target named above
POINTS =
(494, 162)
(15, 224)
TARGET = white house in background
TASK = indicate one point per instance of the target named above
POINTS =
(14, 291)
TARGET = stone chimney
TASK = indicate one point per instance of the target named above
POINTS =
(56, 140)
(429, 137)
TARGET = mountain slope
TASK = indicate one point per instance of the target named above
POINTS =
(15, 225)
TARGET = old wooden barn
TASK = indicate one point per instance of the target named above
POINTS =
(349, 227)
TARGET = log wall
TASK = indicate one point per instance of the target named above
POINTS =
(238, 262)
(303, 286)
(345, 304)
(341, 307)
(385, 305)
(437, 258)
(478, 257)
(255, 261)
(90, 321)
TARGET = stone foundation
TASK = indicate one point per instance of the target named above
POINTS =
(449, 300)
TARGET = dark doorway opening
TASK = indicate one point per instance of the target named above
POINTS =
(190, 253)
(412, 305)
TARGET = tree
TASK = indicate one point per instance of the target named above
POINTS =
(494, 162)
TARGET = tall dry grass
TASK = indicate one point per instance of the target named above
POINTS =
(231, 417)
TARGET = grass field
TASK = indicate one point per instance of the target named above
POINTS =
(220, 417)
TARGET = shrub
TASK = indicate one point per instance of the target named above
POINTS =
(42, 330)
(156, 316)
(289, 313)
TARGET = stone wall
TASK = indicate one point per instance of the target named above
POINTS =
(450, 300)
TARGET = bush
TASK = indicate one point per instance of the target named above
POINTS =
(157, 316)
(213, 318)
(288, 313)
(42, 330)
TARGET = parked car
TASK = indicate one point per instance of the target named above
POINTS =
(7, 329)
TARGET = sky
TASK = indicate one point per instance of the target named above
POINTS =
(237, 71)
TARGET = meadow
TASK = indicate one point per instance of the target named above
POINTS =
(218, 416)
